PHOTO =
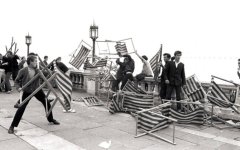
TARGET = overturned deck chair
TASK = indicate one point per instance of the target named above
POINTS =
(218, 98)
(194, 92)
(117, 102)
(154, 119)
(196, 116)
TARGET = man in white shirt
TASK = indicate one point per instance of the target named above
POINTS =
(147, 70)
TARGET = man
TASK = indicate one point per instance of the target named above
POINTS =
(163, 90)
(119, 75)
(128, 70)
(2, 72)
(8, 71)
(15, 67)
(44, 63)
(175, 77)
(146, 71)
(24, 76)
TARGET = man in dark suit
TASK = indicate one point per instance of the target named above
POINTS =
(175, 77)
(163, 90)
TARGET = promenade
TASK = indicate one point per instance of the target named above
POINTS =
(90, 126)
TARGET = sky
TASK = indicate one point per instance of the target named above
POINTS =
(206, 31)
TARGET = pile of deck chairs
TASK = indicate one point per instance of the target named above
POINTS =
(198, 108)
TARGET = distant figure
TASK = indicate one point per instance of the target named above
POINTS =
(128, 70)
(146, 70)
(15, 67)
(163, 89)
(119, 75)
(8, 70)
(24, 76)
(22, 62)
(238, 68)
(44, 63)
(175, 77)
(2, 73)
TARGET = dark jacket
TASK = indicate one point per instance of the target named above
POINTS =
(238, 74)
(119, 74)
(164, 75)
(23, 78)
(1, 65)
(176, 76)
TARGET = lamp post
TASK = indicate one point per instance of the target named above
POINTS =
(93, 35)
(28, 42)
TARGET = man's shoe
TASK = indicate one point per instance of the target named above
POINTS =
(69, 111)
(55, 122)
(16, 105)
(11, 130)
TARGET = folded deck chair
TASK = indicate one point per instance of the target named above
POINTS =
(154, 119)
(217, 97)
(92, 101)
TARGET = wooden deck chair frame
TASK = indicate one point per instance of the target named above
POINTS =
(214, 116)
(151, 132)
(46, 82)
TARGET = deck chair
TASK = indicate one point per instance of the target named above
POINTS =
(154, 119)
(92, 101)
(79, 59)
(116, 104)
(218, 98)
(194, 92)
(55, 76)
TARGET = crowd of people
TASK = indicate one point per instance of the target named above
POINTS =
(22, 70)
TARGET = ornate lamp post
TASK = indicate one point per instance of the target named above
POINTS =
(93, 33)
(28, 42)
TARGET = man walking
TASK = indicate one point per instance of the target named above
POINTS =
(24, 76)
(175, 77)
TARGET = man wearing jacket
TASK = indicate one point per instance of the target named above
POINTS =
(175, 77)
(24, 76)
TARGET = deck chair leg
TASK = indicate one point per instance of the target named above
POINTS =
(212, 116)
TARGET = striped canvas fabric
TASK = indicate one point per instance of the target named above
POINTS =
(92, 101)
(219, 94)
(114, 106)
(154, 60)
(101, 63)
(194, 117)
(121, 48)
(149, 121)
(134, 103)
(80, 57)
(130, 87)
(64, 83)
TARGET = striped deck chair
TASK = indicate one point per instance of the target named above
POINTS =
(92, 101)
(121, 48)
(101, 63)
(217, 97)
(194, 92)
(132, 102)
(116, 104)
(80, 57)
(151, 120)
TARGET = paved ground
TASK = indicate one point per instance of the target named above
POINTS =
(91, 126)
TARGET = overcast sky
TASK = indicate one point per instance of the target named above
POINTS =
(206, 31)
